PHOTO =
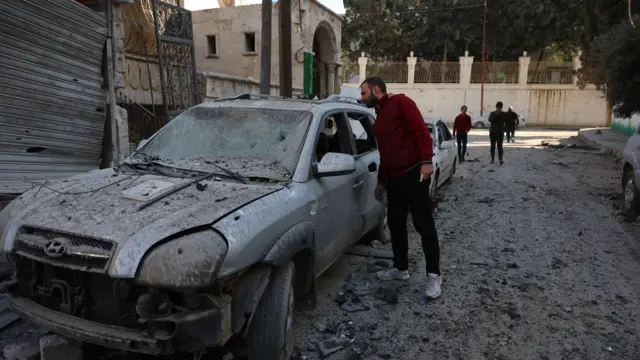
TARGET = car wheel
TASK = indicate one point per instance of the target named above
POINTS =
(270, 334)
(383, 232)
(453, 168)
(630, 196)
(479, 125)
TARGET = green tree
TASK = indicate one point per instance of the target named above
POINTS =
(616, 59)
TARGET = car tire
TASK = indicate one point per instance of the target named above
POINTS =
(270, 334)
(382, 231)
(479, 125)
(630, 200)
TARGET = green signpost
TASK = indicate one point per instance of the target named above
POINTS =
(308, 72)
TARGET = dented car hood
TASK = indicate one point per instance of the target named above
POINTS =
(93, 205)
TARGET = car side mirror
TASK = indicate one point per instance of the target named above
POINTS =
(141, 144)
(334, 164)
(446, 145)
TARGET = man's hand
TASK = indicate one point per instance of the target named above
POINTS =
(426, 170)
(379, 192)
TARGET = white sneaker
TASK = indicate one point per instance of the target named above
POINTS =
(393, 274)
(434, 281)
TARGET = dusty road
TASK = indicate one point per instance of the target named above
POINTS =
(536, 263)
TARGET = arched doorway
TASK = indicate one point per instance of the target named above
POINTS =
(324, 60)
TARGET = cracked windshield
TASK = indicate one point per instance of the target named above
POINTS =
(233, 137)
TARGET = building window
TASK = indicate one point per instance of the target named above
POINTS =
(250, 42)
(212, 45)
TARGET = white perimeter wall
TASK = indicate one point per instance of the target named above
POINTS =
(543, 105)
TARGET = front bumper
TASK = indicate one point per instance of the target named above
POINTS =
(203, 329)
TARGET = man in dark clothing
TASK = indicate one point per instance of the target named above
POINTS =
(406, 149)
(511, 121)
(461, 127)
(496, 131)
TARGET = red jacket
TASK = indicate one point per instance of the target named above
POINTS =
(462, 123)
(403, 138)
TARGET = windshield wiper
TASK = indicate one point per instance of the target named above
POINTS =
(231, 174)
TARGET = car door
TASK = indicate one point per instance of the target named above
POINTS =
(437, 153)
(448, 148)
(367, 163)
(337, 223)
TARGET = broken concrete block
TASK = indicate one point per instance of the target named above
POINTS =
(26, 351)
(54, 347)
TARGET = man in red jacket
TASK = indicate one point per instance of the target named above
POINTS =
(461, 127)
(406, 148)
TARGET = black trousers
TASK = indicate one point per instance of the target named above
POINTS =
(496, 138)
(511, 133)
(462, 137)
(404, 194)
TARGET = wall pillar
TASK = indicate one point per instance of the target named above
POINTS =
(116, 145)
(411, 69)
(466, 63)
(523, 74)
(331, 79)
(362, 62)
(338, 81)
(577, 64)
(322, 70)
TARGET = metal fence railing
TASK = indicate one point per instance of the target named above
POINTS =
(437, 72)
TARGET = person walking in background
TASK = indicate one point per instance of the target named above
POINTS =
(406, 149)
(496, 132)
(511, 122)
(461, 128)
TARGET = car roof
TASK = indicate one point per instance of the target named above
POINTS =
(432, 119)
(277, 102)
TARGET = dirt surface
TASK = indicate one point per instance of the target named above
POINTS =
(536, 263)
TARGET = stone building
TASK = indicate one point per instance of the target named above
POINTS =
(227, 41)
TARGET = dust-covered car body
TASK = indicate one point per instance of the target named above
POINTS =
(242, 194)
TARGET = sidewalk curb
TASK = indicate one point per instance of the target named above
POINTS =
(598, 145)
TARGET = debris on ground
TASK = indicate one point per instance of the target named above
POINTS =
(334, 341)
(377, 244)
(367, 251)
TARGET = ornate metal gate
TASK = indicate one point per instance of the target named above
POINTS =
(176, 57)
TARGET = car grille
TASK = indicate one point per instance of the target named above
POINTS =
(71, 251)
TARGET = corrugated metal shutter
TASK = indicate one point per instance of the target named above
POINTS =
(52, 104)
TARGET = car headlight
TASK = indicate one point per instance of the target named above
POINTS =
(190, 261)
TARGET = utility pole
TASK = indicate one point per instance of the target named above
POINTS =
(484, 46)
(265, 51)
(286, 75)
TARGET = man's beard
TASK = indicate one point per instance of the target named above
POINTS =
(372, 101)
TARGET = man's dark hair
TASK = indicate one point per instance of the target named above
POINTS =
(375, 81)
(499, 104)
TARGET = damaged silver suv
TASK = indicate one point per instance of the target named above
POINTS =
(205, 234)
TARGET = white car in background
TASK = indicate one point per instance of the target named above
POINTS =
(482, 121)
(445, 153)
